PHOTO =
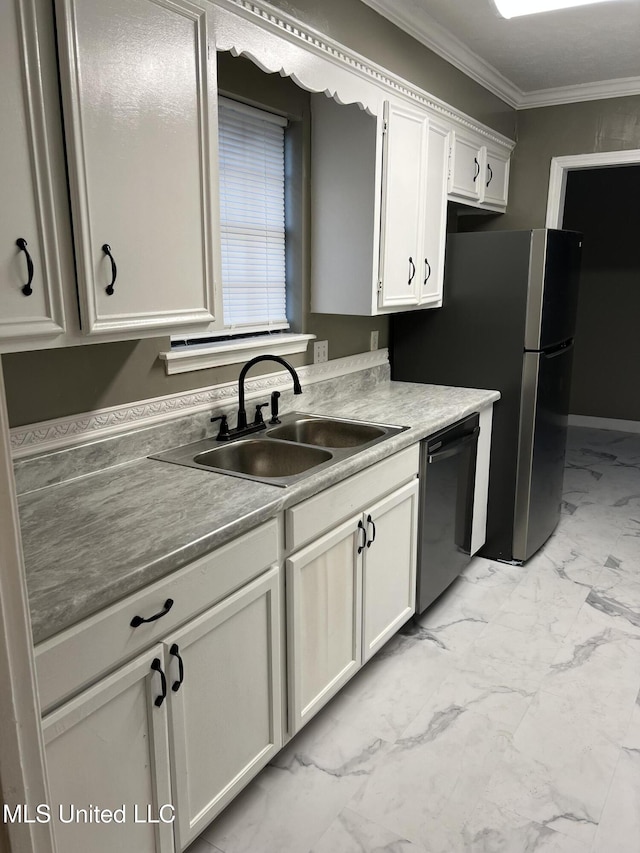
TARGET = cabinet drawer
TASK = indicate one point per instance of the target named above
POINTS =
(323, 511)
(83, 653)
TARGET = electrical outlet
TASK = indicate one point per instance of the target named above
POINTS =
(374, 341)
(320, 352)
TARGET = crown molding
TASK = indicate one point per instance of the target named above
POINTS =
(620, 88)
(445, 44)
(365, 82)
(63, 433)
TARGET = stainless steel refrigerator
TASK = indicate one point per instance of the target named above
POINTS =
(507, 323)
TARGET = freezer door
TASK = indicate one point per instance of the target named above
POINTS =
(552, 297)
(543, 435)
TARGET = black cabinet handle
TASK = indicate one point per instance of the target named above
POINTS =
(490, 171)
(175, 651)
(114, 269)
(411, 273)
(475, 177)
(373, 538)
(139, 620)
(427, 269)
(364, 537)
(156, 666)
(21, 243)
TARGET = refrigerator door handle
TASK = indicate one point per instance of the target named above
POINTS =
(559, 350)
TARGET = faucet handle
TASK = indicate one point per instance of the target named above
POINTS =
(223, 433)
(258, 418)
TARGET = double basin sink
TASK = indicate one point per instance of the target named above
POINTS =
(300, 445)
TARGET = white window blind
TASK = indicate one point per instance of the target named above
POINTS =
(252, 220)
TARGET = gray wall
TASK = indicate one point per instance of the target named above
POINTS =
(546, 132)
(55, 383)
(607, 361)
(602, 204)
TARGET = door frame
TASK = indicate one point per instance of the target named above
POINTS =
(558, 176)
(22, 763)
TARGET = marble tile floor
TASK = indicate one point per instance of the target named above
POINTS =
(507, 719)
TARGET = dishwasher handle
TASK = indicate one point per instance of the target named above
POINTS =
(451, 448)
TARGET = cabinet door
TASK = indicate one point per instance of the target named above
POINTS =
(107, 748)
(403, 155)
(496, 180)
(465, 167)
(431, 269)
(225, 709)
(389, 568)
(140, 129)
(30, 282)
(324, 611)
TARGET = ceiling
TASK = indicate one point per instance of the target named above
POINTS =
(556, 57)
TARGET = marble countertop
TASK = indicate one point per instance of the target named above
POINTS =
(93, 540)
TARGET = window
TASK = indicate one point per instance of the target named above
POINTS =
(252, 219)
(251, 151)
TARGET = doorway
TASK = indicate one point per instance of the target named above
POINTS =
(598, 199)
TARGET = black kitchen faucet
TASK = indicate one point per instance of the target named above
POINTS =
(242, 427)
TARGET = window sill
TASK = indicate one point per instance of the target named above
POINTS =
(217, 354)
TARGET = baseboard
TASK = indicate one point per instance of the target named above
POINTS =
(604, 423)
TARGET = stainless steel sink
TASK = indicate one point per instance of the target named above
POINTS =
(282, 454)
(262, 457)
(327, 432)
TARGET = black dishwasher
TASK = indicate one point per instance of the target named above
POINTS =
(447, 483)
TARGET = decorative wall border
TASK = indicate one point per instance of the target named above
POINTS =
(63, 433)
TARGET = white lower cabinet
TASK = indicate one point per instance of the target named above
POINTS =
(348, 592)
(144, 754)
(108, 749)
(184, 726)
(324, 607)
(389, 567)
(225, 709)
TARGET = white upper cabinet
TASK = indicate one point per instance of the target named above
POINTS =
(435, 217)
(496, 177)
(378, 209)
(413, 216)
(465, 180)
(138, 91)
(403, 190)
(478, 171)
(31, 307)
